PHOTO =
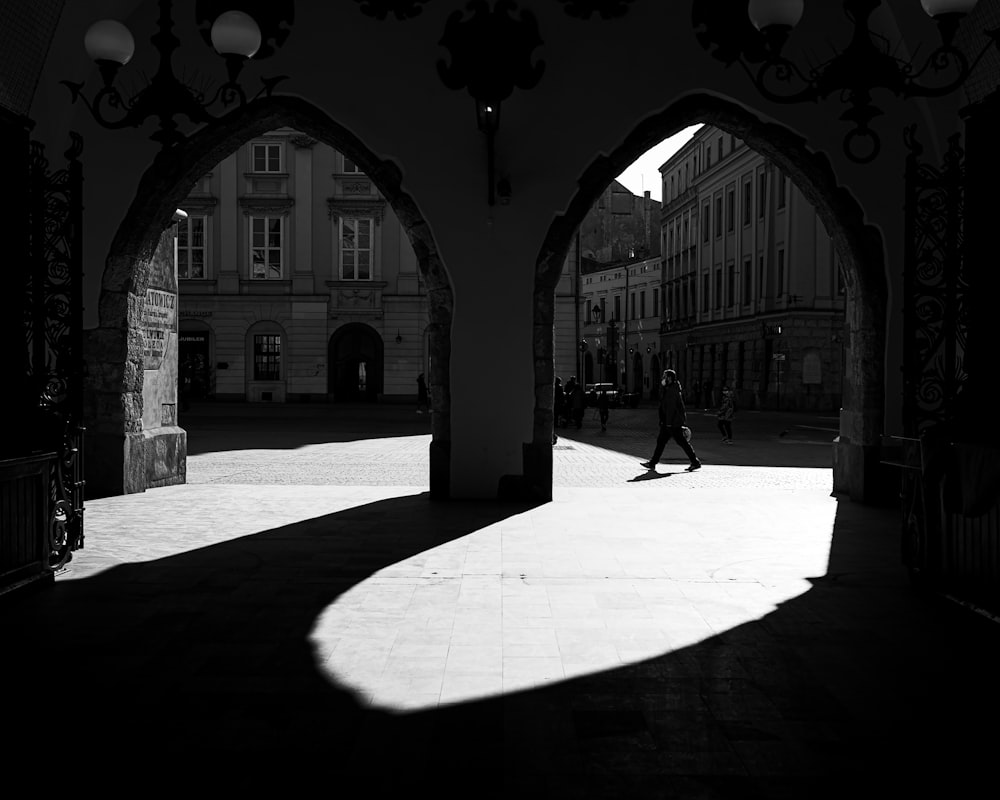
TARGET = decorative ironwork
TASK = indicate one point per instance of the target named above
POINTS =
(491, 54)
(608, 9)
(935, 322)
(380, 9)
(165, 96)
(53, 334)
(868, 62)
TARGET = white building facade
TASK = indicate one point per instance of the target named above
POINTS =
(296, 281)
(753, 294)
(620, 304)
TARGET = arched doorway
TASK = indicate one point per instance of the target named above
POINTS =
(860, 247)
(355, 364)
(118, 387)
(637, 374)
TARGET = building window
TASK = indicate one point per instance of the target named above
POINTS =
(356, 249)
(718, 287)
(671, 195)
(730, 210)
(731, 286)
(781, 272)
(708, 156)
(718, 215)
(748, 201)
(761, 193)
(704, 292)
(780, 178)
(266, 156)
(747, 279)
(720, 148)
(266, 234)
(642, 304)
(631, 305)
(760, 275)
(705, 222)
(618, 307)
(656, 301)
(191, 248)
(350, 167)
(685, 242)
(267, 357)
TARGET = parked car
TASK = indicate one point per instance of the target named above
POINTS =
(593, 391)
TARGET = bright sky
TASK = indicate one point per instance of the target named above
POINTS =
(644, 173)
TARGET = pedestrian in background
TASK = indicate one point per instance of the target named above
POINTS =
(558, 403)
(673, 416)
(603, 408)
(577, 402)
(726, 413)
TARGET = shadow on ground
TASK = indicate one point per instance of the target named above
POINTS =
(197, 669)
(213, 427)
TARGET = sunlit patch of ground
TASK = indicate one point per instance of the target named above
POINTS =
(593, 581)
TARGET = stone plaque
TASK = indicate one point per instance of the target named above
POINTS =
(159, 322)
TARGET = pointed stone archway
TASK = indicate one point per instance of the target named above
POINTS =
(117, 446)
(859, 246)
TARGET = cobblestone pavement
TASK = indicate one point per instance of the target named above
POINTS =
(299, 611)
(323, 446)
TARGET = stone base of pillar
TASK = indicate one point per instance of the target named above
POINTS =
(859, 474)
(166, 456)
(440, 470)
(129, 463)
(535, 485)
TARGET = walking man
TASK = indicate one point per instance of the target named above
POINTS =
(672, 418)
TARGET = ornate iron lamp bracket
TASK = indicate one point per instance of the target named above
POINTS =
(165, 96)
(862, 67)
(490, 55)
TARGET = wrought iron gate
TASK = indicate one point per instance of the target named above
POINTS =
(41, 467)
(947, 545)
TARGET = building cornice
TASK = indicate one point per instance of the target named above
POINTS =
(265, 205)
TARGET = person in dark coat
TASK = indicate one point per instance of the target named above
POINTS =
(558, 403)
(603, 407)
(672, 415)
(577, 402)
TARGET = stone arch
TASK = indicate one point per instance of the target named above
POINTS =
(114, 348)
(350, 346)
(858, 245)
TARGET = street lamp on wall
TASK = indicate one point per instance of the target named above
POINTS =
(490, 55)
(865, 64)
(235, 35)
